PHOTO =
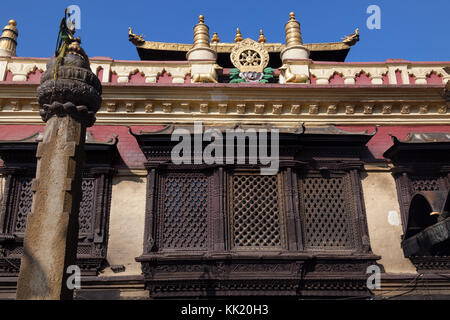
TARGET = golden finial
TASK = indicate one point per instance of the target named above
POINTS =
(238, 36)
(201, 33)
(215, 38)
(261, 39)
(293, 33)
(8, 39)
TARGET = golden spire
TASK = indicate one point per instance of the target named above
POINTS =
(215, 38)
(292, 29)
(261, 39)
(201, 33)
(238, 36)
(8, 39)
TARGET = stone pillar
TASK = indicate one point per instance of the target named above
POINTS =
(68, 104)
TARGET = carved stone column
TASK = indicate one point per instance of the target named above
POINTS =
(69, 100)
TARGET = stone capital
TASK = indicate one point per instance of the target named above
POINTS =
(69, 88)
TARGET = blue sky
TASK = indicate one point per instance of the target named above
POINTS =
(412, 30)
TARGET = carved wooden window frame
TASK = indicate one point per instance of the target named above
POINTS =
(153, 228)
(292, 231)
(218, 218)
(92, 246)
(9, 206)
(286, 270)
(19, 162)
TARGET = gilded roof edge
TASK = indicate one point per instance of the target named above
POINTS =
(227, 47)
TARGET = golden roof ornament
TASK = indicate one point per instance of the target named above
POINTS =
(8, 39)
(351, 39)
(249, 56)
(215, 38)
(238, 37)
(201, 33)
(134, 38)
(293, 33)
(261, 39)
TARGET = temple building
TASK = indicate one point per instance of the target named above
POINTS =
(360, 194)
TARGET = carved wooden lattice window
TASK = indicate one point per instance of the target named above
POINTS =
(23, 204)
(255, 211)
(183, 216)
(325, 212)
(19, 168)
(243, 234)
(25, 198)
(85, 218)
(93, 221)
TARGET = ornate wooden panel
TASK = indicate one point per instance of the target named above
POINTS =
(183, 211)
(92, 243)
(255, 210)
(224, 230)
(24, 198)
(23, 205)
(19, 169)
(424, 183)
(325, 212)
(87, 205)
(430, 182)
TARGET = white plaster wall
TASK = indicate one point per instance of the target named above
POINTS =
(126, 224)
(380, 196)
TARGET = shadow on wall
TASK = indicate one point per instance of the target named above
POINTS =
(128, 178)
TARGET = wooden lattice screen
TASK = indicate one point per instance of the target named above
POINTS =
(255, 211)
(325, 212)
(184, 211)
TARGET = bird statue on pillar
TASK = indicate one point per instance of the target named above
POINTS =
(65, 39)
